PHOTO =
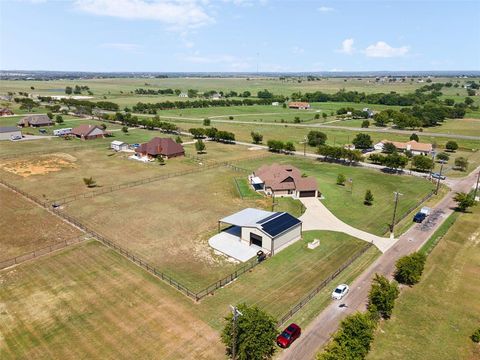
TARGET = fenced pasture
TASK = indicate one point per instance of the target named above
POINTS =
(27, 227)
(87, 299)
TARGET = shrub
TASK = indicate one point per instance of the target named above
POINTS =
(365, 124)
(461, 163)
(381, 298)
(368, 198)
(341, 179)
(443, 156)
(451, 145)
(476, 336)
(409, 268)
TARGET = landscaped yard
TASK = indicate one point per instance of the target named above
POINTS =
(27, 227)
(435, 318)
(89, 302)
(348, 205)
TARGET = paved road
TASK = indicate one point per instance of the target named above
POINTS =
(318, 217)
(320, 330)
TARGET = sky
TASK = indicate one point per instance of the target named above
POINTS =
(239, 35)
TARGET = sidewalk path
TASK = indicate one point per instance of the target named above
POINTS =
(318, 217)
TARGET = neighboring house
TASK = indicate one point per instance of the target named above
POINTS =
(253, 229)
(283, 180)
(369, 111)
(10, 133)
(35, 121)
(183, 95)
(275, 103)
(88, 132)
(299, 105)
(118, 145)
(5, 112)
(216, 96)
(415, 147)
(164, 147)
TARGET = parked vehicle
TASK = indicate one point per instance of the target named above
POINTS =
(62, 132)
(340, 291)
(419, 217)
(42, 131)
(15, 137)
(438, 176)
(289, 335)
(261, 256)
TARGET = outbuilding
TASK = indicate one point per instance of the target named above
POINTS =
(35, 121)
(10, 133)
(118, 145)
(251, 230)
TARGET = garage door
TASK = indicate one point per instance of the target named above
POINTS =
(307, 193)
(255, 239)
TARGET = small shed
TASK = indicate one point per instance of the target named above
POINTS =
(118, 145)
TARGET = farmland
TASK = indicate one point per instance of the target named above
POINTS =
(436, 317)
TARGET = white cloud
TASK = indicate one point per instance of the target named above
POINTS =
(224, 61)
(298, 50)
(325, 9)
(383, 50)
(178, 14)
(121, 46)
(347, 47)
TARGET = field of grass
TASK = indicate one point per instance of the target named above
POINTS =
(435, 318)
(466, 126)
(89, 302)
(347, 205)
(27, 227)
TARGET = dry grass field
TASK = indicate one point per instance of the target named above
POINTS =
(27, 227)
(87, 302)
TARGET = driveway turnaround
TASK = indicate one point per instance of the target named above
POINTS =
(318, 217)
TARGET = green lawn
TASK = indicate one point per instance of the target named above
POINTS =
(435, 318)
(348, 205)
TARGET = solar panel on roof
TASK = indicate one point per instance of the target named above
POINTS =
(279, 224)
(268, 218)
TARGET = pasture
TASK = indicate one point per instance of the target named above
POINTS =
(88, 301)
(436, 317)
(27, 227)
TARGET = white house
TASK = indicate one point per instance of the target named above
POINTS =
(369, 111)
(183, 95)
(415, 147)
(118, 145)
(275, 103)
(252, 230)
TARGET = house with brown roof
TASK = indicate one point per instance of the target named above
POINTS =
(283, 180)
(88, 132)
(5, 112)
(300, 105)
(164, 147)
(415, 147)
(35, 121)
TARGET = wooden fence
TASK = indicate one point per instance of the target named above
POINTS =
(322, 285)
(40, 252)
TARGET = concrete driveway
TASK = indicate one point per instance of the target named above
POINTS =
(318, 217)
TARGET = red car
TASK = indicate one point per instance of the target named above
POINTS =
(289, 335)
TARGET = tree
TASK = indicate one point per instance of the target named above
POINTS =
(461, 163)
(275, 145)
(125, 129)
(200, 146)
(409, 268)
(414, 137)
(324, 115)
(161, 160)
(255, 334)
(362, 141)
(469, 101)
(68, 90)
(59, 119)
(464, 201)
(365, 124)
(451, 146)
(50, 115)
(476, 336)
(289, 147)
(317, 116)
(422, 163)
(206, 122)
(368, 198)
(316, 138)
(103, 126)
(389, 148)
(178, 140)
(381, 298)
(382, 118)
(442, 156)
(89, 182)
(256, 137)
(449, 102)
(341, 179)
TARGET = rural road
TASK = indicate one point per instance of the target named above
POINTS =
(318, 333)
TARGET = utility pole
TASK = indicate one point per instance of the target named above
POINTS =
(439, 176)
(235, 313)
(433, 161)
(273, 202)
(397, 194)
(476, 186)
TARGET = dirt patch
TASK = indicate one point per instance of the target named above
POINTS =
(39, 166)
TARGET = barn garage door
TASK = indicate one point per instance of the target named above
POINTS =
(307, 193)
(255, 239)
